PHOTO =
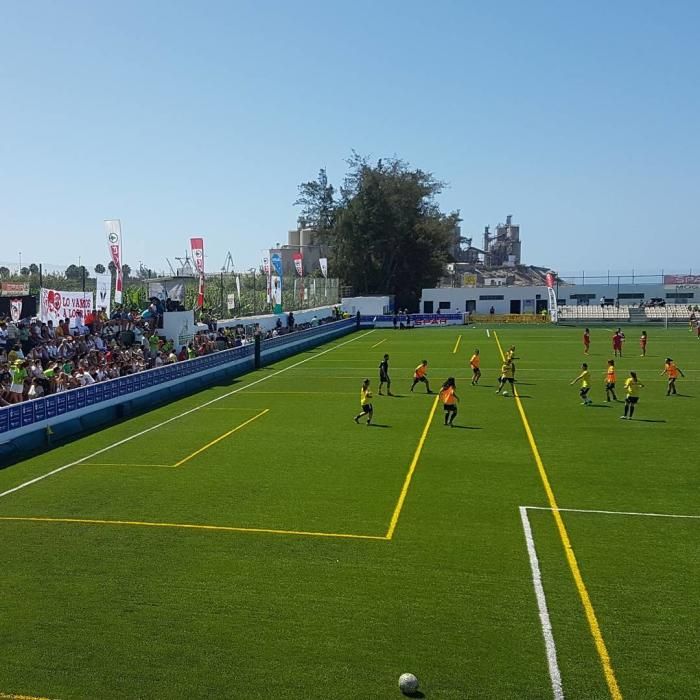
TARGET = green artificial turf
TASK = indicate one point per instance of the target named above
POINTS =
(257, 609)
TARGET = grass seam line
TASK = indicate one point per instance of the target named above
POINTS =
(545, 622)
(591, 616)
(190, 526)
(174, 418)
(617, 512)
(412, 468)
(220, 438)
(379, 343)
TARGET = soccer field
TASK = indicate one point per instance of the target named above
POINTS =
(251, 541)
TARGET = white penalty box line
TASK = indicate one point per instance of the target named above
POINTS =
(543, 610)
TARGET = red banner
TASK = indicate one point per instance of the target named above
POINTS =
(550, 280)
(681, 279)
(197, 246)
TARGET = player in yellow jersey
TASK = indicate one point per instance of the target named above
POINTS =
(421, 375)
(506, 377)
(449, 399)
(632, 386)
(365, 403)
(610, 379)
(475, 364)
(510, 355)
(585, 379)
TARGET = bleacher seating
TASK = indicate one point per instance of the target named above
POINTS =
(676, 312)
(594, 313)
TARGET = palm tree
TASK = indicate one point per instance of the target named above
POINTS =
(100, 269)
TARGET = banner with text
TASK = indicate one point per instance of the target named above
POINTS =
(197, 246)
(56, 305)
(12, 289)
(113, 227)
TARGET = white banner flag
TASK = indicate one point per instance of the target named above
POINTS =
(231, 301)
(113, 227)
(276, 288)
(15, 309)
(103, 293)
(56, 305)
(238, 287)
(323, 262)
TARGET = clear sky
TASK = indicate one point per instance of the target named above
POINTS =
(201, 118)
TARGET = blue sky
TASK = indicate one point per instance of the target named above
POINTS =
(183, 118)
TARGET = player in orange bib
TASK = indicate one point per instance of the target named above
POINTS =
(421, 375)
(449, 399)
(610, 381)
(671, 371)
(475, 364)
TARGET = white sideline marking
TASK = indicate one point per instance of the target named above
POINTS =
(549, 644)
(488, 334)
(180, 415)
(615, 512)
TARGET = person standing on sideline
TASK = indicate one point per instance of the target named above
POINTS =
(610, 381)
(365, 403)
(449, 399)
(586, 341)
(384, 376)
(475, 364)
(421, 375)
(643, 343)
(585, 379)
(632, 387)
(671, 371)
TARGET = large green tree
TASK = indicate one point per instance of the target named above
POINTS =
(317, 201)
(388, 235)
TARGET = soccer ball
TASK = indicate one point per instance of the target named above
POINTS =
(505, 393)
(408, 683)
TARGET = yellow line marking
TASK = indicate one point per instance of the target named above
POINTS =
(409, 476)
(379, 343)
(459, 340)
(220, 438)
(569, 551)
(191, 526)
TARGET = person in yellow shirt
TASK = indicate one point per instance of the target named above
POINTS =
(671, 371)
(421, 375)
(449, 399)
(585, 378)
(510, 355)
(632, 386)
(365, 403)
(506, 377)
(475, 364)
(610, 381)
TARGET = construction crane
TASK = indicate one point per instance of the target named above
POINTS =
(172, 269)
(228, 263)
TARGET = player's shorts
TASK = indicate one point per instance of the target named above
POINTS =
(610, 385)
(384, 377)
(450, 408)
(420, 379)
(367, 408)
(584, 390)
(503, 380)
(476, 370)
(632, 399)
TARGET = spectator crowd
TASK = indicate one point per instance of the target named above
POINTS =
(38, 358)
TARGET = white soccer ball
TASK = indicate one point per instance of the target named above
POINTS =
(505, 393)
(408, 683)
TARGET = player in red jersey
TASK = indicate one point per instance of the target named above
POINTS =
(617, 340)
(586, 341)
(643, 343)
